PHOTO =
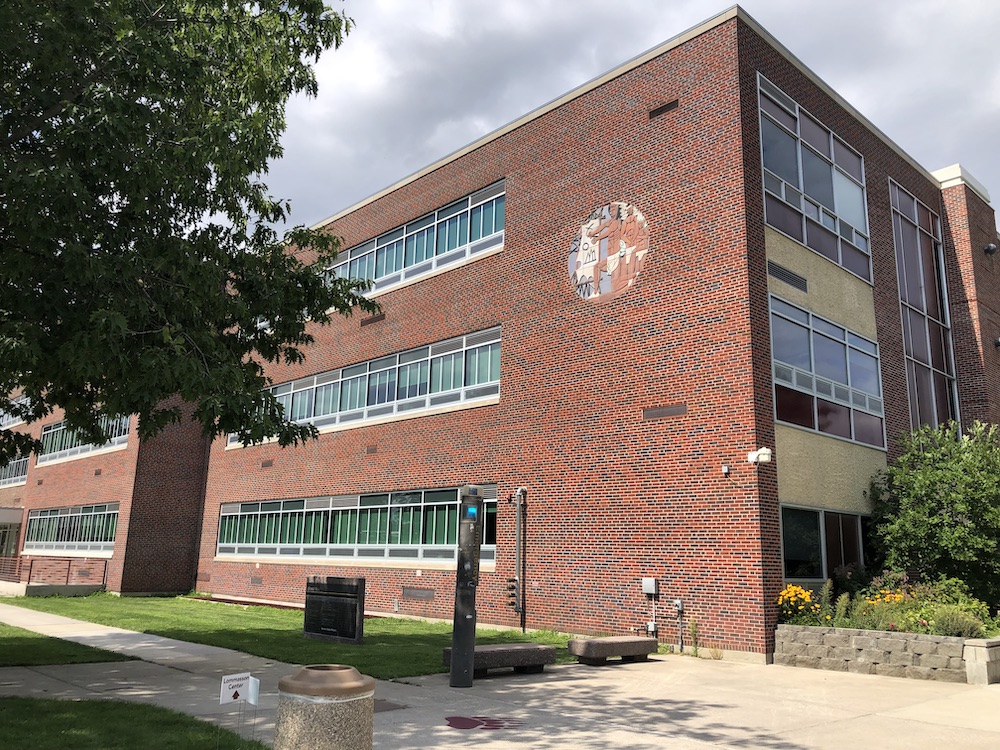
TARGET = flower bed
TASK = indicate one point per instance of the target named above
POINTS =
(894, 654)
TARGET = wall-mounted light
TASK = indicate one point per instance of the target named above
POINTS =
(725, 470)
(990, 249)
(997, 343)
(760, 456)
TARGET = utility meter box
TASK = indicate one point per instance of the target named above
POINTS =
(650, 586)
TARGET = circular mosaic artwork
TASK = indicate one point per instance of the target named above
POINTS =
(607, 255)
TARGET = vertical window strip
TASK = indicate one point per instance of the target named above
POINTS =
(924, 311)
(814, 185)
(446, 230)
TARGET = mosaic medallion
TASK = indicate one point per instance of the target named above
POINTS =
(607, 255)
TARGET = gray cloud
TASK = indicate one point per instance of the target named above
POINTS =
(420, 79)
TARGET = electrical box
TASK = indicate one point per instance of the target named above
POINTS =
(650, 586)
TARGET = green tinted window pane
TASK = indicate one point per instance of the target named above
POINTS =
(498, 218)
(327, 398)
(451, 527)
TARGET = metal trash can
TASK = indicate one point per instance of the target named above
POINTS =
(335, 609)
(325, 707)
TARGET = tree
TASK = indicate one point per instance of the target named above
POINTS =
(937, 507)
(137, 248)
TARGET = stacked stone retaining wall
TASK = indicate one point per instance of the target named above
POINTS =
(913, 655)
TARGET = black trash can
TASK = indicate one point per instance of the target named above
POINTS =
(335, 609)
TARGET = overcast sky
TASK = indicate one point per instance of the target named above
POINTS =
(418, 79)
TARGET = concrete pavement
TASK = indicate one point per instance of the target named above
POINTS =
(673, 702)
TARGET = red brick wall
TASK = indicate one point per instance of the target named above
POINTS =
(164, 522)
(159, 486)
(613, 497)
(968, 225)
(87, 480)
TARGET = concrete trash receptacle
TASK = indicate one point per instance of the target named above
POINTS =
(325, 707)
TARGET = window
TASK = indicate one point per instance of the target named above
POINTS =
(826, 377)
(814, 185)
(930, 370)
(454, 371)
(417, 525)
(15, 472)
(459, 230)
(816, 543)
(88, 528)
(58, 441)
(8, 419)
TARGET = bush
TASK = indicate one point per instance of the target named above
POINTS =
(949, 619)
(891, 602)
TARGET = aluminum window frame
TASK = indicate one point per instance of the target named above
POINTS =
(355, 387)
(820, 387)
(810, 209)
(66, 529)
(906, 309)
(416, 248)
(241, 532)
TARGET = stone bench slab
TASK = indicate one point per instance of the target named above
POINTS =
(524, 658)
(595, 651)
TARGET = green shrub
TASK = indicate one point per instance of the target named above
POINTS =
(950, 619)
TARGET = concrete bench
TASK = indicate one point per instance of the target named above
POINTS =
(525, 658)
(595, 651)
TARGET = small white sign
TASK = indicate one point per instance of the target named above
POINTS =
(235, 687)
(253, 691)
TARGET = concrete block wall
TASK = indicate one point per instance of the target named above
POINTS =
(912, 655)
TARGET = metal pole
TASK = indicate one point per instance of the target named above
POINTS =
(522, 556)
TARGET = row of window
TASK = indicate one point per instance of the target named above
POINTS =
(8, 419)
(419, 524)
(59, 441)
(15, 472)
(814, 185)
(461, 229)
(826, 377)
(464, 368)
(89, 528)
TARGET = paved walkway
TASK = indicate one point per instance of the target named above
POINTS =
(671, 702)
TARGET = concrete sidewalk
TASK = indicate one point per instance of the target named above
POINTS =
(672, 702)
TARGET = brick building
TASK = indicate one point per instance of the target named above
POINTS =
(125, 516)
(614, 301)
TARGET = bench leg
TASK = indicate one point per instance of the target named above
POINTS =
(478, 674)
(593, 661)
(638, 657)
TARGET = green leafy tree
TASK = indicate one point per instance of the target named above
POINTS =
(937, 507)
(137, 248)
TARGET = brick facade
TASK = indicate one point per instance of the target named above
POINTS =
(617, 414)
(614, 495)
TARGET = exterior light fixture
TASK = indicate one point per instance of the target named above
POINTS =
(990, 249)
(760, 456)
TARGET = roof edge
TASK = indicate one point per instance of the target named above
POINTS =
(956, 174)
(734, 11)
(635, 62)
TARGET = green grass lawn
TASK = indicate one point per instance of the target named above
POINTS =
(23, 648)
(392, 648)
(47, 724)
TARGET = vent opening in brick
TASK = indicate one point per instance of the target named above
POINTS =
(662, 109)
